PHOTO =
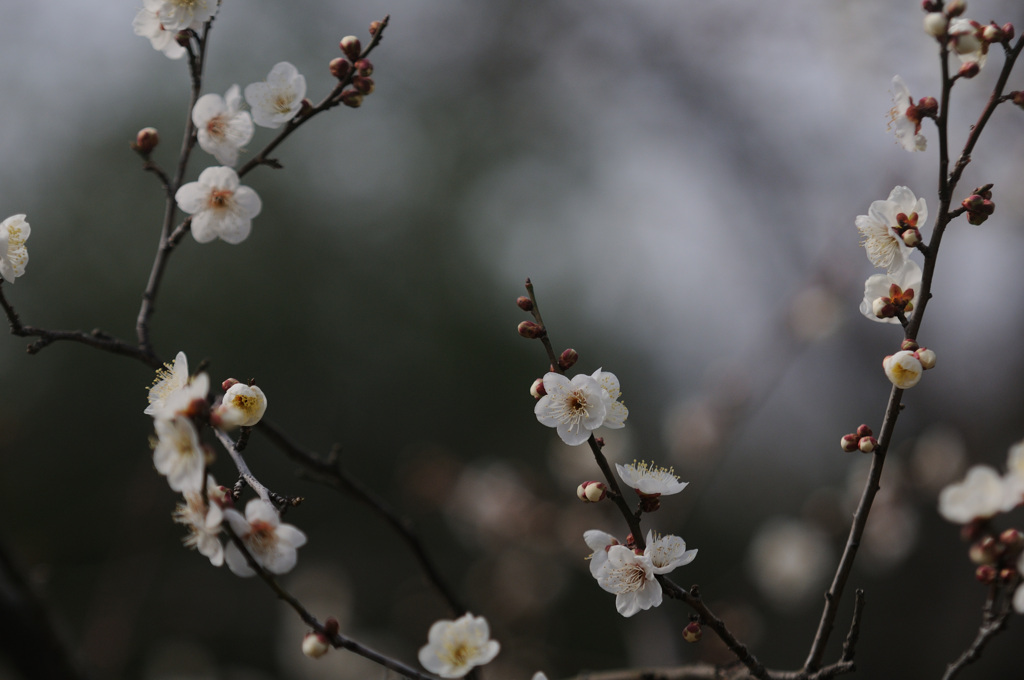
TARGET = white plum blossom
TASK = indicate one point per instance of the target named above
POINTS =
(455, 647)
(148, 24)
(169, 379)
(631, 578)
(650, 480)
(598, 541)
(243, 406)
(903, 369)
(220, 208)
(880, 296)
(575, 408)
(1013, 481)
(272, 544)
(222, 128)
(178, 455)
(615, 411)
(178, 15)
(278, 99)
(667, 552)
(980, 495)
(905, 118)
(965, 37)
(878, 229)
(202, 516)
(14, 231)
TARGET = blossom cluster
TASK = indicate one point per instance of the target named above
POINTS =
(179, 405)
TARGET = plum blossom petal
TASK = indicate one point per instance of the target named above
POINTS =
(650, 480)
(222, 128)
(880, 228)
(881, 298)
(980, 495)
(14, 231)
(148, 24)
(631, 578)
(575, 408)
(598, 541)
(616, 411)
(455, 647)
(203, 517)
(667, 552)
(905, 118)
(178, 454)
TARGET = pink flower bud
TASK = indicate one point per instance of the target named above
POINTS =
(363, 84)
(969, 69)
(935, 24)
(315, 645)
(352, 98)
(531, 330)
(986, 574)
(692, 632)
(364, 67)
(146, 140)
(1006, 574)
(537, 388)
(1012, 539)
(955, 8)
(591, 492)
(375, 27)
(911, 237)
(524, 303)
(340, 68)
(928, 107)
(1009, 31)
(867, 444)
(351, 46)
(883, 308)
(568, 359)
(864, 431)
(993, 34)
(228, 384)
(849, 442)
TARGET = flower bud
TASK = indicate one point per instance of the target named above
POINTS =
(903, 369)
(955, 8)
(1006, 574)
(352, 98)
(910, 345)
(935, 24)
(986, 551)
(146, 140)
(374, 27)
(1008, 31)
(993, 34)
(864, 431)
(568, 359)
(849, 442)
(867, 444)
(986, 574)
(927, 107)
(537, 388)
(364, 67)
(591, 492)
(692, 632)
(351, 46)
(883, 308)
(524, 303)
(315, 645)
(331, 626)
(1012, 539)
(531, 330)
(228, 384)
(599, 441)
(363, 84)
(340, 68)
(969, 69)
(911, 236)
(926, 357)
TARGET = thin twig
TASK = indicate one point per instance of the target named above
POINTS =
(994, 619)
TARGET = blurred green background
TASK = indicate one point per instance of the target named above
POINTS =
(679, 179)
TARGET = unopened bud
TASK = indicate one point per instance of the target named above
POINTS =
(969, 69)
(568, 359)
(146, 140)
(692, 632)
(364, 67)
(867, 444)
(903, 369)
(882, 309)
(935, 24)
(926, 357)
(375, 27)
(315, 645)
(531, 330)
(986, 551)
(973, 202)
(911, 236)
(363, 84)
(1017, 97)
(930, 6)
(1012, 539)
(955, 8)
(1008, 31)
(910, 345)
(986, 574)
(340, 67)
(228, 384)
(864, 431)
(993, 34)
(524, 303)
(351, 46)
(537, 388)
(591, 492)
(331, 626)
(352, 98)
(849, 442)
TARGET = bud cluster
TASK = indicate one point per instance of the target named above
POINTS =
(355, 69)
(979, 205)
(862, 440)
(591, 492)
(997, 557)
(904, 368)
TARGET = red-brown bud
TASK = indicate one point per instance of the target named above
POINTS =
(1008, 31)
(1012, 539)
(364, 67)
(568, 359)
(986, 574)
(146, 140)
(955, 8)
(351, 46)
(692, 632)
(305, 107)
(228, 384)
(927, 107)
(864, 431)
(340, 68)
(969, 69)
(352, 98)
(986, 551)
(537, 388)
(374, 27)
(849, 442)
(1017, 96)
(591, 492)
(363, 84)
(531, 330)
(524, 303)
(331, 626)
(867, 444)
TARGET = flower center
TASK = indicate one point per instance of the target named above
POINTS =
(261, 536)
(458, 653)
(629, 578)
(216, 127)
(282, 104)
(220, 198)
